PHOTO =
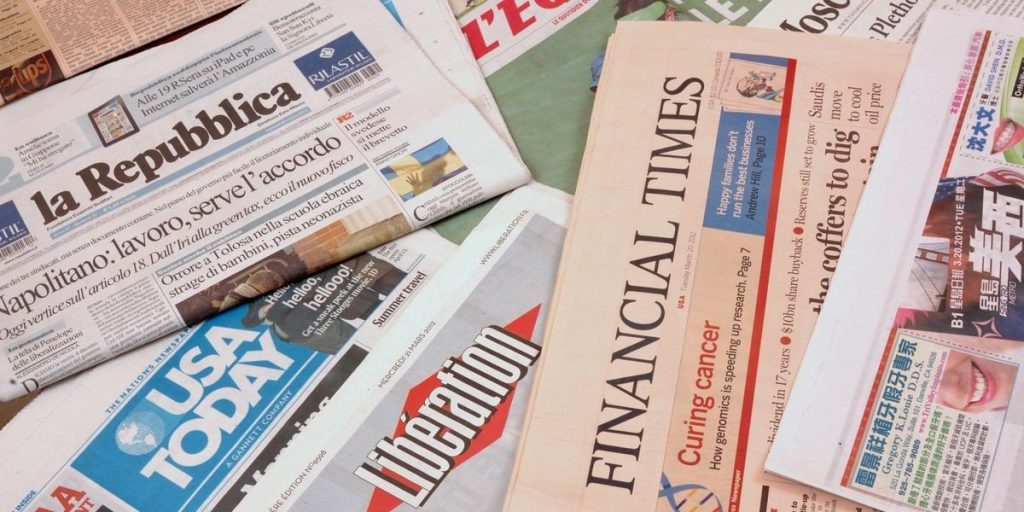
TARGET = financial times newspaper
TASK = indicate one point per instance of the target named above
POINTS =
(194, 180)
(914, 375)
(722, 172)
(432, 421)
(193, 421)
(543, 58)
(44, 42)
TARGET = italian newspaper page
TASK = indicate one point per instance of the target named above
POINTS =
(432, 421)
(153, 199)
(912, 378)
(722, 171)
(45, 41)
(543, 58)
(193, 421)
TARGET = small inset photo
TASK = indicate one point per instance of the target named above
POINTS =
(112, 121)
(423, 170)
(754, 83)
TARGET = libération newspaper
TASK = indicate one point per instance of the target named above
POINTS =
(543, 58)
(432, 420)
(909, 397)
(195, 420)
(44, 42)
(204, 173)
(722, 172)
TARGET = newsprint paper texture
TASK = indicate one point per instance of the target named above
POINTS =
(193, 421)
(432, 422)
(220, 167)
(910, 397)
(543, 59)
(722, 171)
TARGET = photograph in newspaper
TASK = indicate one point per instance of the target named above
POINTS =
(255, 164)
(697, 262)
(437, 425)
(928, 366)
(209, 413)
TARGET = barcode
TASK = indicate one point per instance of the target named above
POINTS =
(18, 246)
(354, 80)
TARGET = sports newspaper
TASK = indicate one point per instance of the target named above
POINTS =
(432, 421)
(195, 420)
(722, 170)
(913, 376)
(185, 182)
(44, 42)
(543, 58)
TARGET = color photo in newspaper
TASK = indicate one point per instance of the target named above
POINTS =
(434, 420)
(319, 134)
(210, 411)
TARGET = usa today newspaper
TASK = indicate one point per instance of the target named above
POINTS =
(193, 421)
(205, 173)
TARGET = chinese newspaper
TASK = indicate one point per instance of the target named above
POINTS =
(193, 421)
(913, 375)
(432, 421)
(722, 170)
(297, 137)
(543, 58)
(43, 42)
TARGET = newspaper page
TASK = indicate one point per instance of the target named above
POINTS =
(722, 170)
(543, 58)
(192, 421)
(297, 137)
(431, 422)
(45, 41)
(909, 397)
(431, 24)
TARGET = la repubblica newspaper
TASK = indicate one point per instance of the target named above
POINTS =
(193, 421)
(909, 397)
(218, 168)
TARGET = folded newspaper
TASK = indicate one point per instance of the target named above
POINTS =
(909, 397)
(722, 170)
(543, 58)
(44, 42)
(431, 419)
(193, 180)
(193, 421)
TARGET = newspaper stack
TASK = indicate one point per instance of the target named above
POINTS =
(45, 42)
(908, 398)
(722, 170)
(543, 59)
(202, 174)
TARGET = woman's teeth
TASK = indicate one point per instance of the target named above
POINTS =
(980, 384)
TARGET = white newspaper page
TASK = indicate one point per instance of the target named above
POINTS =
(283, 139)
(192, 421)
(432, 421)
(909, 395)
